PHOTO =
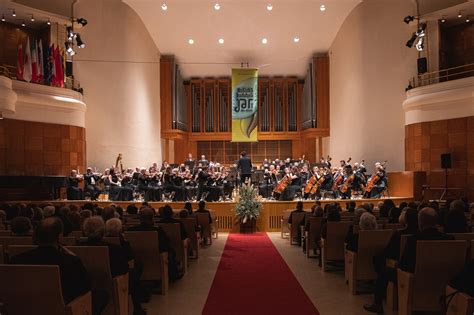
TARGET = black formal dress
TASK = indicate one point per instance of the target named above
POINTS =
(245, 168)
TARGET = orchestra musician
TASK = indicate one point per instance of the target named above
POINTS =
(74, 192)
(190, 162)
(377, 183)
(91, 180)
(270, 179)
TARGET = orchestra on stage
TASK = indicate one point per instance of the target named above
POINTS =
(193, 180)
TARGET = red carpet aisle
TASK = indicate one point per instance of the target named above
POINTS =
(252, 278)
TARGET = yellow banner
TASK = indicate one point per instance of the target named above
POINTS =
(244, 105)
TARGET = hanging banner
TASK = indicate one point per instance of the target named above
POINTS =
(244, 105)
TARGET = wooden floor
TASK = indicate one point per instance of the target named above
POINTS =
(269, 220)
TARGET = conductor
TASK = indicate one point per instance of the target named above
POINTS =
(245, 167)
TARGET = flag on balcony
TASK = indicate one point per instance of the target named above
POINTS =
(47, 66)
(40, 61)
(27, 72)
(19, 63)
(34, 62)
(57, 68)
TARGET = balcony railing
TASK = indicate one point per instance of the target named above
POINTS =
(444, 75)
(69, 83)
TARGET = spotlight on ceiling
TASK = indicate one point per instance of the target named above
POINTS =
(49, 22)
(221, 41)
(13, 13)
(408, 19)
(191, 41)
(79, 41)
(70, 33)
(1, 116)
(81, 21)
(269, 7)
(32, 18)
(217, 6)
(3, 18)
(460, 14)
(164, 7)
(443, 19)
(264, 41)
(23, 24)
(468, 20)
(296, 39)
(322, 8)
(411, 41)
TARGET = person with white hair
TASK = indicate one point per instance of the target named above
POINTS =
(367, 222)
(49, 211)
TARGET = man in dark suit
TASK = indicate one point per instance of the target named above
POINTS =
(167, 217)
(74, 278)
(245, 167)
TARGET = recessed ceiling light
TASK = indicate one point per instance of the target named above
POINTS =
(264, 41)
(296, 39)
(191, 41)
(269, 7)
(322, 8)
(221, 41)
(217, 6)
(164, 7)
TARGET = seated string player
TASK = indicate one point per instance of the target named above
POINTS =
(74, 192)
(91, 180)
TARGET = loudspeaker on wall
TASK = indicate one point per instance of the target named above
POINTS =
(446, 160)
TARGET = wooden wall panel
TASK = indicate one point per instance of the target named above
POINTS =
(166, 91)
(32, 148)
(322, 91)
(424, 144)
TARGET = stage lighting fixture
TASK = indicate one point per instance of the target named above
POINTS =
(164, 7)
(49, 22)
(3, 18)
(420, 44)
(460, 14)
(81, 21)
(468, 20)
(70, 33)
(322, 8)
(296, 39)
(408, 19)
(70, 51)
(23, 24)
(264, 41)
(13, 13)
(421, 32)
(221, 41)
(32, 18)
(191, 41)
(79, 41)
(217, 6)
(443, 19)
(412, 40)
(1, 116)
(269, 7)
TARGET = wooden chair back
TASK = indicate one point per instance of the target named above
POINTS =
(5, 233)
(334, 242)
(214, 224)
(6, 241)
(437, 262)
(96, 261)
(285, 228)
(146, 249)
(472, 251)
(173, 233)
(76, 234)
(107, 239)
(2, 255)
(371, 243)
(190, 224)
(392, 226)
(68, 241)
(42, 294)
(297, 218)
(314, 232)
(14, 250)
(403, 243)
(463, 236)
(203, 221)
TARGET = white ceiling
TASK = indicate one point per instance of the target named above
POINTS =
(243, 24)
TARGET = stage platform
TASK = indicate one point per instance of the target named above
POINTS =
(269, 220)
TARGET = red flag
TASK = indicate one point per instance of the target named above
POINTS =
(58, 67)
(34, 62)
(27, 72)
(19, 63)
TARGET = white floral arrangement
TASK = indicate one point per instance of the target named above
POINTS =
(248, 203)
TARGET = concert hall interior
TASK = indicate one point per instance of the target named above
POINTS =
(237, 157)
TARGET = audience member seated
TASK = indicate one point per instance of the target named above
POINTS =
(333, 215)
(94, 230)
(167, 217)
(189, 208)
(49, 211)
(74, 278)
(183, 214)
(299, 209)
(394, 215)
(114, 228)
(146, 224)
(108, 213)
(367, 222)
(202, 209)
(74, 219)
(455, 221)
(409, 219)
(21, 226)
(355, 222)
(132, 209)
